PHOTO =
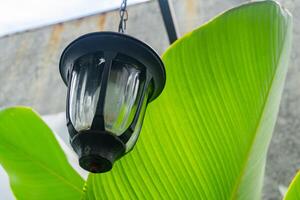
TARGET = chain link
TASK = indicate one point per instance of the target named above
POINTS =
(123, 16)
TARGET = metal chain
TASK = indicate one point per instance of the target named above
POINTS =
(123, 16)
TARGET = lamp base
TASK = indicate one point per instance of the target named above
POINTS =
(95, 164)
(97, 151)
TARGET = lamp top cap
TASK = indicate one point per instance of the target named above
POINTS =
(116, 43)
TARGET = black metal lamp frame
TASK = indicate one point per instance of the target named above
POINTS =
(97, 152)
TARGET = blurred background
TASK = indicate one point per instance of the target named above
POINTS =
(34, 33)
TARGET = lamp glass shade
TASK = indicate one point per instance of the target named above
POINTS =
(84, 90)
(121, 98)
(131, 142)
(123, 92)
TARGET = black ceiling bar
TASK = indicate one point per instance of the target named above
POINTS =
(167, 12)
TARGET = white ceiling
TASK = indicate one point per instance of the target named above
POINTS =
(20, 15)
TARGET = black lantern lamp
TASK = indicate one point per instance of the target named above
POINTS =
(111, 77)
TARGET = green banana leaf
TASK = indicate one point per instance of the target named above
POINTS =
(36, 165)
(207, 135)
(293, 192)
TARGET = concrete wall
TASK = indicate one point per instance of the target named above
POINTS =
(29, 70)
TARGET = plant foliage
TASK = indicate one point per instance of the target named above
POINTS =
(206, 137)
(36, 165)
(293, 192)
